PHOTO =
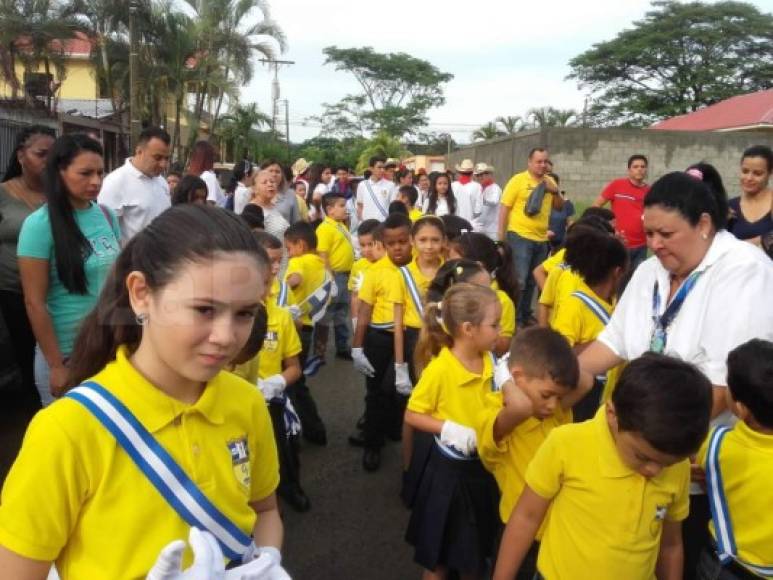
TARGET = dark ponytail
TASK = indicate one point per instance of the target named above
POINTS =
(184, 233)
(496, 257)
(450, 273)
(23, 137)
(71, 247)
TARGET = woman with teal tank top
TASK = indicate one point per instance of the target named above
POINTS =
(66, 249)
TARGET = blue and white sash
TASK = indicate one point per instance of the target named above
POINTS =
(318, 301)
(379, 206)
(594, 306)
(413, 290)
(723, 526)
(452, 453)
(284, 294)
(182, 494)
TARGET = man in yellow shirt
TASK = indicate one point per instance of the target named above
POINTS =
(524, 213)
(334, 246)
(617, 485)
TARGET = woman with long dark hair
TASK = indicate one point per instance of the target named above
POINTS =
(286, 201)
(320, 177)
(66, 249)
(21, 193)
(202, 165)
(441, 200)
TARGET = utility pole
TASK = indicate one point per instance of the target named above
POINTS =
(287, 128)
(134, 113)
(275, 89)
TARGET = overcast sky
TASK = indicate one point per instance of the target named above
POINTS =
(505, 57)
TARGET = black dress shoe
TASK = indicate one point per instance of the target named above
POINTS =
(344, 355)
(371, 459)
(297, 499)
(357, 439)
(316, 437)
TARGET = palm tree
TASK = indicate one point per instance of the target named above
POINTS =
(486, 132)
(238, 128)
(544, 117)
(511, 125)
(381, 144)
(564, 117)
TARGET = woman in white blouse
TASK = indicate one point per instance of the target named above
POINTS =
(702, 294)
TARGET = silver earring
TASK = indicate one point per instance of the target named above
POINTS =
(141, 318)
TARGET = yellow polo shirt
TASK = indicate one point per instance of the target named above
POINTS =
(746, 462)
(401, 295)
(554, 260)
(274, 292)
(507, 321)
(575, 320)
(560, 283)
(514, 196)
(415, 214)
(448, 391)
(281, 342)
(334, 239)
(378, 288)
(508, 459)
(75, 496)
(358, 268)
(605, 518)
(312, 271)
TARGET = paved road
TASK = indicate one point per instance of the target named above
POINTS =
(355, 528)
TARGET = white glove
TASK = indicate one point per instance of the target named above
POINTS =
(272, 387)
(295, 311)
(502, 372)
(461, 438)
(259, 563)
(403, 379)
(361, 362)
(333, 289)
(358, 280)
(208, 563)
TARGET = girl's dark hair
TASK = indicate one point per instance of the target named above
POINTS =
(241, 169)
(450, 273)
(711, 177)
(400, 173)
(397, 207)
(689, 196)
(188, 185)
(666, 401)
(433, 194)
(71, 248)
(315, 178)
(496, 257)
(184, 233)
(253, 216)
(430, 221)
(760, 151)
(257, 337)
(455, 226)
(202, 158)
(23, 139)
(594, 255)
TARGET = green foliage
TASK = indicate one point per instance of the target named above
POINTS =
(331, 151)
(544, 117)
(397, 92)
(239, 130)
(538, 118)
(382, 144)
(680, 57)
(486, 132)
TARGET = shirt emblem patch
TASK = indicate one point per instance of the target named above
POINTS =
(240, 460)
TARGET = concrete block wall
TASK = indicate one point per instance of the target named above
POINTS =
(587, 159)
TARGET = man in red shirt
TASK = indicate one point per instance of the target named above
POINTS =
(627, 197)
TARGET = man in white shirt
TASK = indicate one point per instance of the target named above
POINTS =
(469, 199)
(136, 191)
(491, 194)
(375, 193)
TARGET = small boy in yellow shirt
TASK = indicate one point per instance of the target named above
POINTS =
(538, 399)
(371, 251)
(738, 462)
(334, 246)
(311, 288)
(617, 486)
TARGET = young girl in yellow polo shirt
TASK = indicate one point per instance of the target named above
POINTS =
(454, 517)
(160, 438)
(617, 486)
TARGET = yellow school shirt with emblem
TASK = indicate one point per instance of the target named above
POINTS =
(554, 260)
(415, 214)
(334, 239)
(273, 293)
(508, 459)
(605, 518)
(515, 196)
(75, 496)
(378, 287)
(312, 271)
(560, 283)
(402, 295)
(448, 391)
(358, 270)
(746, 463)
(507, 322)
(575, 320)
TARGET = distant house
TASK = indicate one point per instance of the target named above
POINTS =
(752, 112)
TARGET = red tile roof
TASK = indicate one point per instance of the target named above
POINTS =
(80, 46)
(742, 111)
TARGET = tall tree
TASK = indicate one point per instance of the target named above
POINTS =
(678, 58)
(397, 92)
(512, 124)
(238, 129)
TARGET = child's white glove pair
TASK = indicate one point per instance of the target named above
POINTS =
(208, 562)
(361, 362)
(272, 387)
(403, 383)
(462, 439)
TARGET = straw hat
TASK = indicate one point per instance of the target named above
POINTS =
(465, 166)
(391, 162)
(483, 168)
(300, 167)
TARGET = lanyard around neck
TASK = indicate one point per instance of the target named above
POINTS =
(663, 321)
